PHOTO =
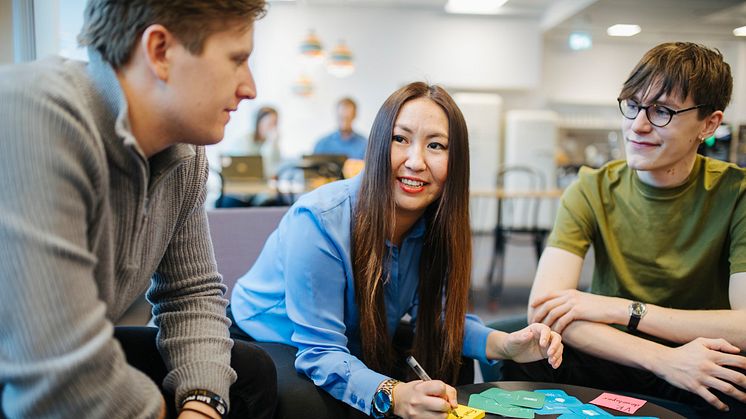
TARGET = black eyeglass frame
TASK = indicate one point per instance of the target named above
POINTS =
(671, 112)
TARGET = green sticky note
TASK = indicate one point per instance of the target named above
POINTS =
(530, 399)
(515, 398)
(490, 405)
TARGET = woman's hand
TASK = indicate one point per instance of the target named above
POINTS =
(424, 399)
(535, 342)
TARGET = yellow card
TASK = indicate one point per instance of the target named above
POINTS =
(466, 412)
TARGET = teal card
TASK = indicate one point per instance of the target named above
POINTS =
(520, 398)
(491, 406)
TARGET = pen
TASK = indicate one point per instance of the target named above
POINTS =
(424, 377)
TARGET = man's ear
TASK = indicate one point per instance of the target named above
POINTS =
(157, 42)
(711, 124)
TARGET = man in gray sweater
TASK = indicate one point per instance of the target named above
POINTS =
(102, 176)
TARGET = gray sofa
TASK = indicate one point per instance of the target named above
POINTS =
(238, 236)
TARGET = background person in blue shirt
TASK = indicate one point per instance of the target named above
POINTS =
(344, 140)
(351, 258)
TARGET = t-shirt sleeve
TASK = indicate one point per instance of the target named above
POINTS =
(575, 222)
(737, 256)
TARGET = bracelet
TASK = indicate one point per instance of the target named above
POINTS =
(209, 398)
(189, 409)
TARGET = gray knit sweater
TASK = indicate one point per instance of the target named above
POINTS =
(87, 224)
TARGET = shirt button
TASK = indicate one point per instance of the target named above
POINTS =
(353, 398)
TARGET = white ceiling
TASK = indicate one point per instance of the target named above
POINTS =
(659, 19)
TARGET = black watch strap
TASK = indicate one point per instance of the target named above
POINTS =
(633, 322)
(209, 398)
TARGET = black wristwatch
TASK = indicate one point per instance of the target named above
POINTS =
(209, 398)
(383, 400)
(637, 311)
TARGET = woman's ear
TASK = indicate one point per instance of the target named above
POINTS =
(157, 44)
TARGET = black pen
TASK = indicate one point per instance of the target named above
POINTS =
(424, 377)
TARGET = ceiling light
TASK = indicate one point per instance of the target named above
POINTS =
(310, 47)
(475, 7)
(340, 61)
(623, 30)
(740, 31)
(578, 41)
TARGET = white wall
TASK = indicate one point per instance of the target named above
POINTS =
(595, 76)
(391, 48)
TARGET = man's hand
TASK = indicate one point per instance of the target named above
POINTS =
(701, 365)
(529, 344)
(424, 399)
(560, 308)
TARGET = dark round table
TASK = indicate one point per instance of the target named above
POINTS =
(584, 394)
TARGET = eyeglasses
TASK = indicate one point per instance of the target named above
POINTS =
(658, 115)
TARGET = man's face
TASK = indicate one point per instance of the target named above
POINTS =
(662, 149)
(345, 116)
(204, 89)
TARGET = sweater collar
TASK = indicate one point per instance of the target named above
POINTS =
(115, 125)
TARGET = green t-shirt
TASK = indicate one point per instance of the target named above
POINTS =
(671, 247)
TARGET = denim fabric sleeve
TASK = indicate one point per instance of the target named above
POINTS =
(475, 339)
(316, 281)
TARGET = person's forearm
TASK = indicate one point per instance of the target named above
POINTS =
(682, 326)
(495, 345)
(606, 342)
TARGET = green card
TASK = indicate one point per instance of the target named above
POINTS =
(516, 398)
(490, 405)
(530, 399)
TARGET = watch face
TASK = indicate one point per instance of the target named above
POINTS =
(637, 309)
(382, 401)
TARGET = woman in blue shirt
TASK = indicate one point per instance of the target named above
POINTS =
(352, 258)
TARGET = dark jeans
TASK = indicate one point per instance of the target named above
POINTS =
(299, 397)
(254, 394)
(579, 368)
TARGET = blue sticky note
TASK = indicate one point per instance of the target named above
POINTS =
(566, 401)
(589, 411)
(553, 410)
(552, 392)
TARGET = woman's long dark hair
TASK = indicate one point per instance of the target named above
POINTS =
(263, 112)
(445, 264)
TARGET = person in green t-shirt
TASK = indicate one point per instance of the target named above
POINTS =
(666, 312)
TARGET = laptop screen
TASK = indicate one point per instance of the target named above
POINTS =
(242, 167)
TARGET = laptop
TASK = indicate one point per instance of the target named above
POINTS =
(328, 165)
(242, 168)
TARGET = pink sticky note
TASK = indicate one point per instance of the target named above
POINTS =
(621, 403)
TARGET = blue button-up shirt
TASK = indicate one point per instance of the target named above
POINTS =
(301, 292)
(353, 146)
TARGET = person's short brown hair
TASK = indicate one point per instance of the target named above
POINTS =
(347, 101)
(113, 27)
(683, 69)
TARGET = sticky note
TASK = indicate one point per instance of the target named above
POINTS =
(553, 410)
(491, 406)
(589, 411)
(621, 403)
(515, 398)
(466, 412)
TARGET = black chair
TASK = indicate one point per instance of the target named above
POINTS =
(519, 199)
(295, 179)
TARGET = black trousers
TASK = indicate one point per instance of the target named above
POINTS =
(253, 395)
(582, 369)
(299, 397)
